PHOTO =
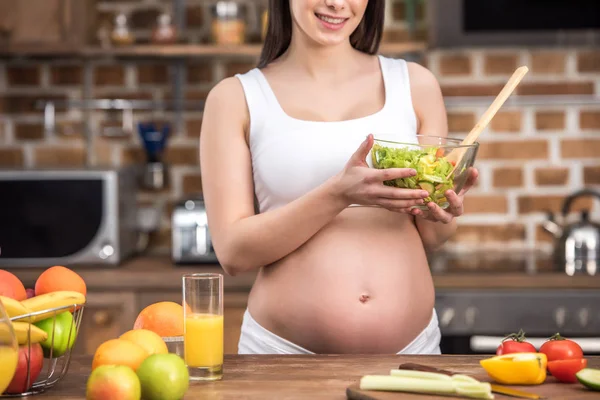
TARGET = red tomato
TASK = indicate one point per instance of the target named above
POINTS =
(559, 348)
(515, 343)
(565, 370)
(511, 346)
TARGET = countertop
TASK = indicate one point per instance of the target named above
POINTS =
(159, 273)
(314, 377)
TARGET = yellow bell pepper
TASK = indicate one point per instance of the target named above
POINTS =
(517, 368)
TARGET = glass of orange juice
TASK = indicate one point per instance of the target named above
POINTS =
(203, 325)
(9, 350)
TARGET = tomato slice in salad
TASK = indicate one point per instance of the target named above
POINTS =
(565, 370)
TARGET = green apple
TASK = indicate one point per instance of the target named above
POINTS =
(163, 377)
(59, 328)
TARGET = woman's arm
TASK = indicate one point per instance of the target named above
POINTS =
(432, 120)
(244, 241)
(241, 240)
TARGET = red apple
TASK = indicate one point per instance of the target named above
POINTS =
(36, 361)
(30, 293)
(113, 382)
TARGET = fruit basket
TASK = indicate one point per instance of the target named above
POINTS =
(45, 328)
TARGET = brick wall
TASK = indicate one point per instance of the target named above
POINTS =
(530, 157)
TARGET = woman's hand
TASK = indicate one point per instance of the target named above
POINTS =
(455, 208)
(360, 184)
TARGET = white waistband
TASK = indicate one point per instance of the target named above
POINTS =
(255, 339)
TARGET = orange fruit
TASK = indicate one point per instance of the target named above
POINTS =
(119, 352)
(11, 286)
(148, 340)
(164, 318)
(59, 278)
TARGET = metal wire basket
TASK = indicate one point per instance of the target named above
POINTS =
(54, 366)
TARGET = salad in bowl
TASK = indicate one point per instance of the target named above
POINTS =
(435, 173)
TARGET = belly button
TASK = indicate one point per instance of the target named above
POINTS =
(364, 298)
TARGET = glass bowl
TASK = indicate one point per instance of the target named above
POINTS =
(427, 156)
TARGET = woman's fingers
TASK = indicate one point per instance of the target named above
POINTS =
(471, 180)
(389, 192)
(438, 213)
(455, 204)
(398, 204)
(388, 174)
(359, 156)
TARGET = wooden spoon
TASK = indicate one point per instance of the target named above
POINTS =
(456, 154)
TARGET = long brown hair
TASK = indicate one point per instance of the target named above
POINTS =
(365, 38)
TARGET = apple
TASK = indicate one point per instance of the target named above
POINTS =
(30, 293)
(61, 329)
(36, 361)
(163, 377)
(113, 382)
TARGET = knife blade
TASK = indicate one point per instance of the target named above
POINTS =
(495, 388)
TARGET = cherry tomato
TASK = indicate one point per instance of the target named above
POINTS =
(565, 370)
(559, 348)
(515, 343)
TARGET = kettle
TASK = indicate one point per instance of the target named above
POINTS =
(577, 245)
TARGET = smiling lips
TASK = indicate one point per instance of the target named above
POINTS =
(331, 22)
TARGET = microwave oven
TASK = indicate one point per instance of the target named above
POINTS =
(67, 216)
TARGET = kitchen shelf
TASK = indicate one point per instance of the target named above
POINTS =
(174, 51)
(176, 55)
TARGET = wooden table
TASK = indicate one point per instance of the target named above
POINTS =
(314, 377)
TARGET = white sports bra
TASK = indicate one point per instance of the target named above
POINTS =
(290, 157)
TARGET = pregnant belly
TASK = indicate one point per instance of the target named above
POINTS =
(361, 285)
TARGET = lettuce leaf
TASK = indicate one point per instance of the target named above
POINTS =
(432, 171)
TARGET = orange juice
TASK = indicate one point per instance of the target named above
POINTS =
(203, 340)
(9, 356)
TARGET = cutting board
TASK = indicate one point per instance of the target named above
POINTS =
(551, 390)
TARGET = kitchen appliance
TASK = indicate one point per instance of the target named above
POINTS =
(577, 245)
(67, 216)
(475, 321)
(155, 139)
(475, 315)
(468, 23)
(191, 241)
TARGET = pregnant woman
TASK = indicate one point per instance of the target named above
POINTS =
(282, 153)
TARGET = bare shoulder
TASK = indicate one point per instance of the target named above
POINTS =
(422, 79)
(226, 103)
(427, 100)
(228, 92)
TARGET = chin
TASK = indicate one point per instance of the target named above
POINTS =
(325, 40)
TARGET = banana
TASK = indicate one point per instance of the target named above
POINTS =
(14, 308)
(24, 335)
(52, 300)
